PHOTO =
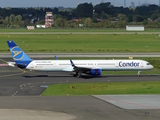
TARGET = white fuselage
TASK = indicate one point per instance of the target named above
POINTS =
(104, 65)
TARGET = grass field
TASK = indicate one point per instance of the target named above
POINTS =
(74, 30)
(64, 30)
(148, 72)
(83, 43)
(103, 88)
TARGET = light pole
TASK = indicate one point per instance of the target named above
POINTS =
(93, 12)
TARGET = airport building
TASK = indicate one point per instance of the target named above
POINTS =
(48, 19)
(134, 28)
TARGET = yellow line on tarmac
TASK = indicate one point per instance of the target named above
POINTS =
(7, 63)
(21, 70)
(11, 75)
(14, 74)
(3, 61)
(11, 71)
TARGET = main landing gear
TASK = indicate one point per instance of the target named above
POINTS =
(78, 74)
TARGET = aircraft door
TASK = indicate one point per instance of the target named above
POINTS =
(142, 64)
(31, 65)
(55, 65)
(117, 64)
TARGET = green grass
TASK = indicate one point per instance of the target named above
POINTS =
(74, 30)
(103, 88)
(83, 43)
(148, 72)
(63, 30)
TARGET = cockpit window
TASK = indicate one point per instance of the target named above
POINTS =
(148, 64)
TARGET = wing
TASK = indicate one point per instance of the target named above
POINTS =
(81, 69)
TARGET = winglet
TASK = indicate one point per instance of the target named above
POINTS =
(73, 65)
(56, 57)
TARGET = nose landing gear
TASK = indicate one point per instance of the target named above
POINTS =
(139, 73)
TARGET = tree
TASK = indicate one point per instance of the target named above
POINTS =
(88, 22)
(102, 24)
(122, 17)
(12, 18)
(103, 15)
(1, 21)
(137, 18)
(26, 22)
(151, 25)
(6, 21)
(2, 12)
(18, 19)
(61, 22)
(130, 18)
(41, 22)
(102, 7)
(84, 10)
(154, 16)
(145, 22)
(121, 24)
(55, 11)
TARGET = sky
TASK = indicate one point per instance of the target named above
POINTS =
(67, 3)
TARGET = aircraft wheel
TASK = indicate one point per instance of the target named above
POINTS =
(78, 75)
(74, 75)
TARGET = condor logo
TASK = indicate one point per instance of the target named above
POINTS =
(17, 53)
(128, 64)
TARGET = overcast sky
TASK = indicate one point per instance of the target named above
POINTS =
(67, 3)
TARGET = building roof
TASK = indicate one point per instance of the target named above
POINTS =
(134, 25)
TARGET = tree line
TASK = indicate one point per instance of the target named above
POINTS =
(103, 15)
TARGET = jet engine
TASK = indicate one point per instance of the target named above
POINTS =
(95, 72)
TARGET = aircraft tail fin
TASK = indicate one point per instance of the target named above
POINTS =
(19, 56)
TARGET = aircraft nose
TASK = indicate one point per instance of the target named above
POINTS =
(152, 67)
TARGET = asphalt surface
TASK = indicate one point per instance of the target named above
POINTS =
(19, 90)
(132, 101)
(83, 107)
(27, 114)
(16, 83)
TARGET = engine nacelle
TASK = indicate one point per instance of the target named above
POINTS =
(96, 72)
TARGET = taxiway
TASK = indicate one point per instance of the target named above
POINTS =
(21, 92)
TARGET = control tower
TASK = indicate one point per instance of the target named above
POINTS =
(49, 19)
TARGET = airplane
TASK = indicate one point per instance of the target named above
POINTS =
(79, 67)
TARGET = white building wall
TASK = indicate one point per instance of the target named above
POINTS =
(135, 28)
(40, 26)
